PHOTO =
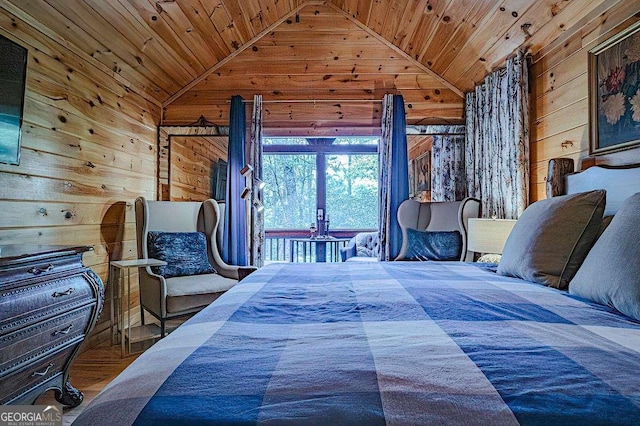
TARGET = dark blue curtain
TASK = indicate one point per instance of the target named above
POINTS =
(399, 173)
(234, 244)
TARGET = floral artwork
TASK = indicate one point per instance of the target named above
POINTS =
(615, 92)
(422, 172)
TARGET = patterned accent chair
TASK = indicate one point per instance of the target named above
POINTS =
(438, 216)
(167, 298)
(364, 246)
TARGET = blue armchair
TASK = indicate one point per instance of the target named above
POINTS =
(364, 246)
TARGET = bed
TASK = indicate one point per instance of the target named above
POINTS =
(386, 343)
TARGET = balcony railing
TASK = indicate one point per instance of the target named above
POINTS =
(293, 245)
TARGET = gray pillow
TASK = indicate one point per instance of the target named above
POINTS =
(552, 237)
(610, 274)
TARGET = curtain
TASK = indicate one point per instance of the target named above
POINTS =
(234, 243)
(394, 174)
(497, 141)
(255, 160)
(448, 176)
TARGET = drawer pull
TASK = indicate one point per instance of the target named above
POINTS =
(37, 271)
(42, 373)
(63, 331)
(63, 293)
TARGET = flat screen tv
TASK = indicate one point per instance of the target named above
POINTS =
(13, 72)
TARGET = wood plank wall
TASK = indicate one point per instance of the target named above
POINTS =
(89, 149)
(559, 96)
(193, 161)
(326, 57)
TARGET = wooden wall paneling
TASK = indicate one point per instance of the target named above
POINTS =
(17, 186)
(493, 28)
(534, 22)
(43, 66)
(195, 54)
(444, 27)
(393, 19)
(192, 161)
(424, 28)
(61, 98)
(435, 97)
(40, 139)
(494, 47)
(134, 24)
(569, 93)
(58, 120)
(55, 32)
(602, 16)
(21, 214)
(559, 107)
(89, 148)
(129, 51)
(296, 66)
(410, 20)
(210, 20)
(573, 141)
(166, 135)
(202, 41)
(437, 57)
(373, 83)
(240, 19)
(257, 20)
(418, 144)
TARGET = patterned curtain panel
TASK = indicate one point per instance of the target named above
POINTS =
(497, 141)
(448, 175)
(234, 238)
(255, 159)
(394, 174)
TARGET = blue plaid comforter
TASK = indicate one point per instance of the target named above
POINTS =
(389, 342)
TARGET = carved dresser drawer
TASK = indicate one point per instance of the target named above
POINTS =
(49, 303)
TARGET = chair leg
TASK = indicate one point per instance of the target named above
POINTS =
(162, 328)
(141, 315)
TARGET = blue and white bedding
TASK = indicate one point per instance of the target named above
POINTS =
(388, 342)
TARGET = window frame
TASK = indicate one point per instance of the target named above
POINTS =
(320, 151)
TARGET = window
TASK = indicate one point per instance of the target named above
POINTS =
(337, 175)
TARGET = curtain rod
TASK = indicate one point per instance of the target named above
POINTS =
(300, 101)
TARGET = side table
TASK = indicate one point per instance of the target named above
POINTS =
(119, 327)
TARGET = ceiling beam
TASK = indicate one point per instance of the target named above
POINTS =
(399, 51)
(232, 55)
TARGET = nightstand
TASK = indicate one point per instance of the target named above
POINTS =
(488, 236)
(121, 329)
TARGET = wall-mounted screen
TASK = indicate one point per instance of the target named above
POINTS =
(13, 72)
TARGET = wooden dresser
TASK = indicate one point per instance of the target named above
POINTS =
(49, 302)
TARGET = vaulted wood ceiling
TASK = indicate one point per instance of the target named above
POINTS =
(172, 50)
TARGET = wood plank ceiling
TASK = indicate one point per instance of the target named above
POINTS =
(343, 49)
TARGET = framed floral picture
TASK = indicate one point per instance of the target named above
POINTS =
(422, 172)
(614, 92)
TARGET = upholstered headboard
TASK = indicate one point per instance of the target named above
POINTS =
(620, 182)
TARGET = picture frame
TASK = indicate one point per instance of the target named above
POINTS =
(422, 172)
(614, 93)
(412, 181)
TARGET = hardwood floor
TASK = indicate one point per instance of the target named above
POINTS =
(95, 367)
(91, 371)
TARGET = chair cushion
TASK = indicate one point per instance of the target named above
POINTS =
(428, 245)
(188, 292)
(552, 237)
(184, 252)
(367, 244)
(609, 274)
